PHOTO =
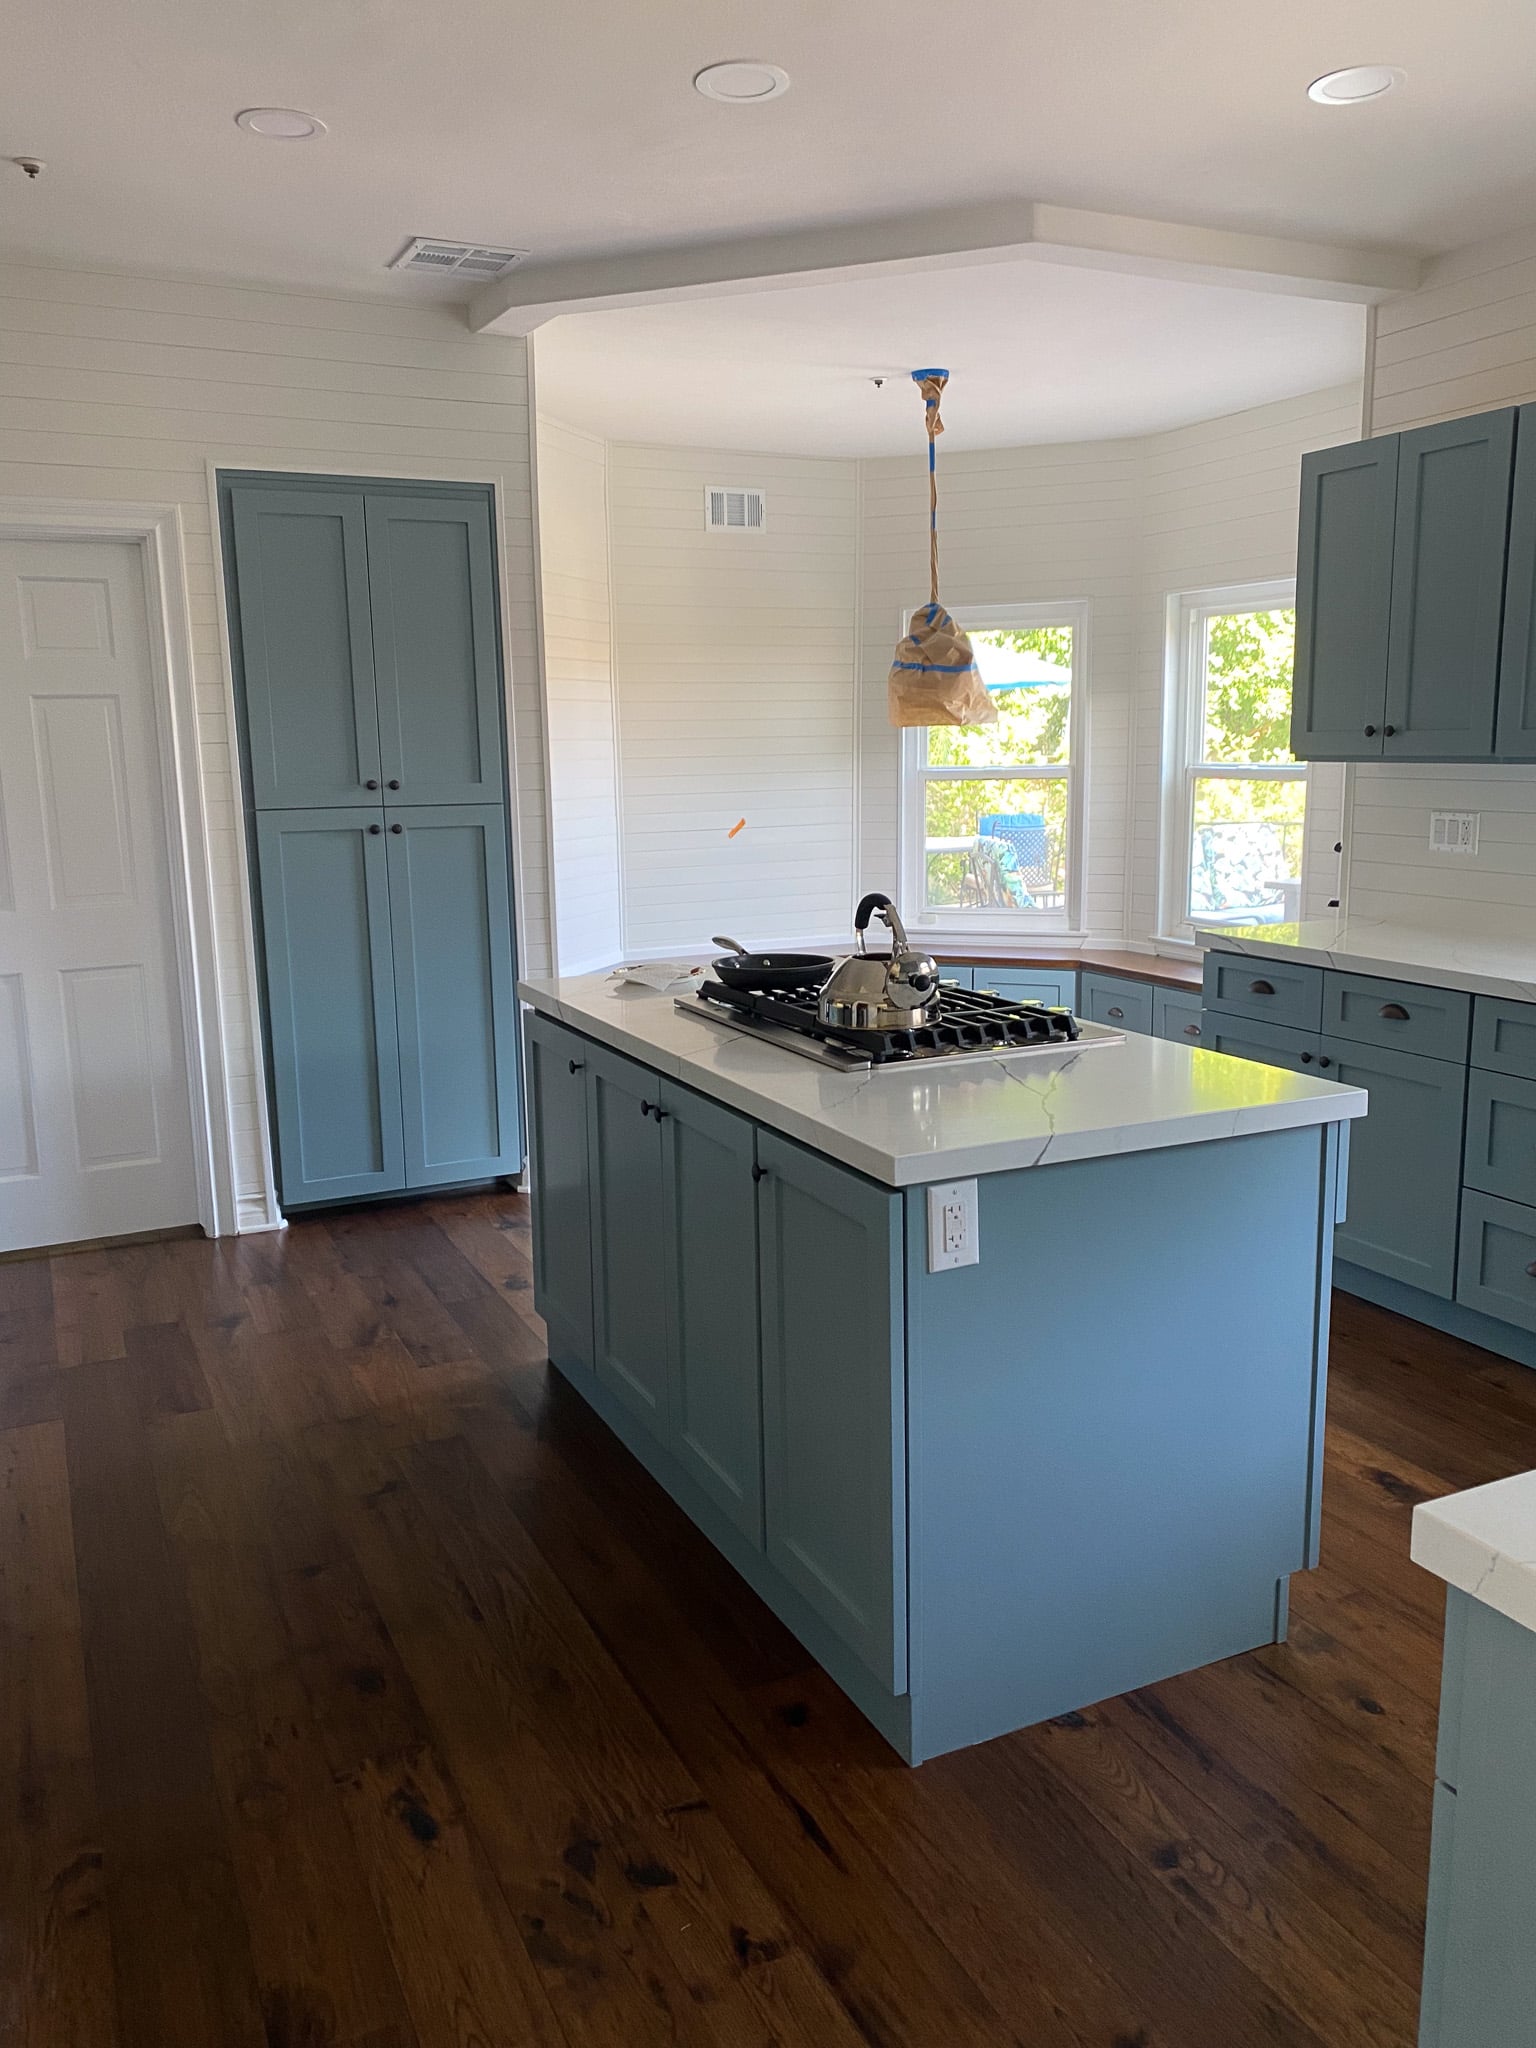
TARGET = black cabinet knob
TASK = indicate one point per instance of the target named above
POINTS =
(1306, 1059)
(394, 782)
(397, 828)
(1388, 731)
(1323, 1060)
(375, 828)
(759, 1172)
(372, 782)
(645, 1109)
(1370, 732)
(576, 1065)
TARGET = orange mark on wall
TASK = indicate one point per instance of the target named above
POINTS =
(739, 826)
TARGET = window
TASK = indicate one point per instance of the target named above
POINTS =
(1235, 798)
(991, 813)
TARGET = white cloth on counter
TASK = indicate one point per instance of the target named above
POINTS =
(661, 974)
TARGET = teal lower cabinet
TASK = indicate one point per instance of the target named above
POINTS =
(1271, 1045)
(1497, 1271)
(1404, 1164)
(979, 1496)
(330, 1004)
(1031, 985)
(1480, 1931)
(1111, 999)
(1178, 1014)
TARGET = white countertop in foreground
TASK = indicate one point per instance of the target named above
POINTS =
(1484, 1542)
(1436, 959)
(903, 1125)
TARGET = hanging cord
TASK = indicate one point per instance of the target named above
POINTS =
(931, 383)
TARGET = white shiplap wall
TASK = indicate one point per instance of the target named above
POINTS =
(1218, 506)
(578, 671)
(1464, 342)
(1018, 525)
(123, 389)
(733, 670)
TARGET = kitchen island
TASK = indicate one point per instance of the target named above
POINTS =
(981, 1495)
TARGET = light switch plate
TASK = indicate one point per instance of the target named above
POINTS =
(954, 1236)
(1454, 831)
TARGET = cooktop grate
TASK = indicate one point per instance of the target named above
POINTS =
(967, 1021)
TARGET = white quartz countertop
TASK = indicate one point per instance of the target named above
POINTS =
(1436, 959)
(1484, 1542)
(905, 1125)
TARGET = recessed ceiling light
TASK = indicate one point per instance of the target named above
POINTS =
(741, 82)
(279, 124)
(1359, 82)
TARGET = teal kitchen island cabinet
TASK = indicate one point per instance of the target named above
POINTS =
(981, 1495)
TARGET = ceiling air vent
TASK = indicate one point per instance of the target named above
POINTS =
(462, 259)
(727, 510)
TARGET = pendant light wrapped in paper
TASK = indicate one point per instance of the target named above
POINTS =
(934, 679)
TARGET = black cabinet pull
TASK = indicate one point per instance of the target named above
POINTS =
(1116, 1011)
(1395, 1011)
(1389, 732)
(1370, 732)
(394, 782)
(1191, 1030)
(574, 1065)
(372, 782)
(397, 828)
(375, 828)
(1323, 1060)
(1306, 1059)
(759, 1172)
(1261, 988)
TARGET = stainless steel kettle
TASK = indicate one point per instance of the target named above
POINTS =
(881, 992)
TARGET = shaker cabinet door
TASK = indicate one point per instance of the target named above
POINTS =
(629, 1287)
(1515, 737)
(709, 1229)
(331, 1005)
(452, 922)
(1404, 1163)
(305, 647)
(834, 1439)
(1453, 484)
(1344, 600)
(557, 1160)
(432, 576)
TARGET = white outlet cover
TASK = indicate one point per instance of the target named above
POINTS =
(954, 1237)
(1454, 831)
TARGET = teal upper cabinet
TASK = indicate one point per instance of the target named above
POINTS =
(434, 636)
(1401, 597)
(452, 922)
(1344, 600)
(1453, 484)
(306, 647)
(330, 1005)
(1516, 736)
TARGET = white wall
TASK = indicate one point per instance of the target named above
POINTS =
(578, 671)
(124, 389)
(733, 669)
(1123, 524)
(1464, 342)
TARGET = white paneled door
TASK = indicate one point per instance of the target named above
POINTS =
(95, 1128)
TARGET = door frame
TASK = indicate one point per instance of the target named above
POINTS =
(159, 534)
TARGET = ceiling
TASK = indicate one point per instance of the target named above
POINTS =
(571, 130)
(1036, 351)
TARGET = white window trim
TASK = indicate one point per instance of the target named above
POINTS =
(1063, 923)
(1183, 732)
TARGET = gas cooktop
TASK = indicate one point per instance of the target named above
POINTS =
(966, 1024)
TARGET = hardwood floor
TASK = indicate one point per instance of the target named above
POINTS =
(358, 1691)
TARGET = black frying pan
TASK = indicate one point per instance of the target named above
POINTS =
(765, 971)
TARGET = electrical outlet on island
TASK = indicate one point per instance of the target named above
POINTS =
(954, 1237)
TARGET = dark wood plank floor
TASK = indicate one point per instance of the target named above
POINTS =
(358, 1691)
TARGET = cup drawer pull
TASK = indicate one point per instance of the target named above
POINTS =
(1395, 1011)
(1115, 1010)
(1531, 1269)
(1261, 988)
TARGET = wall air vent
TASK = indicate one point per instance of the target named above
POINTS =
(731, 510)
(460, 259)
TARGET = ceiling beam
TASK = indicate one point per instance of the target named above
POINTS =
(999, 232)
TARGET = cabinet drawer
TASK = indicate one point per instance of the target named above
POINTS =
(1027, 985)
(1397, 1013)
(1177, 1015)
(1498, 1253)
(1504, 1036)
(1127, 1005)
(1271, 1045)
(1500, 1157)
(1269, 989)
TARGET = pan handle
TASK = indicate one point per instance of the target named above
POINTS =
(730, 945)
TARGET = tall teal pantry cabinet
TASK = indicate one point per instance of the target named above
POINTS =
(363, 625)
